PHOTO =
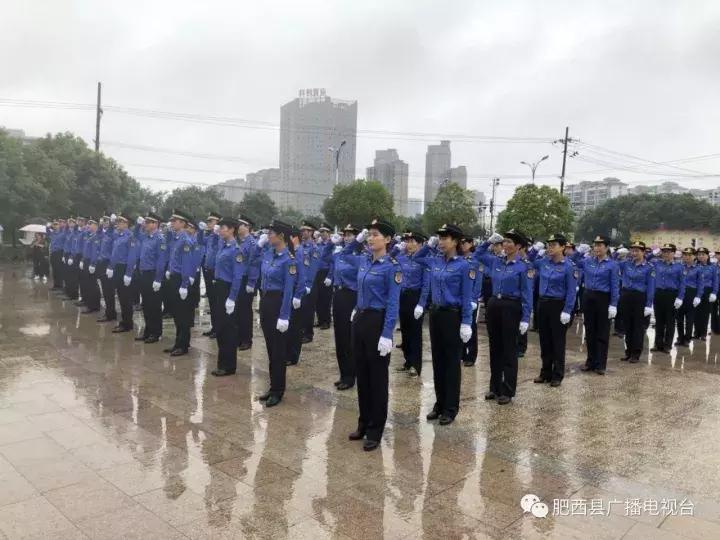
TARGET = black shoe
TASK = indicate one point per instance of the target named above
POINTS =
(521, 354)
(207, 334)
(140, 338)
(264, 397)
(344, 386)
(445, 420)
(681, 343)
(600, 371)
(304, 340)
(273, 400)
(634, 360)
(291, 362)
(555, 382)
(468, 363)
(119, 329)
(433, 415)
(178, 352)
(337, 383)
(398, 346)
(357, 435)
(540, 380)
(369, 445)
(412, 372)
(701, 338)
(489, 396)
(325, 326)
(402, 368)
(105, 318)
(167, 316)
(504, 400)
(625, 358)
(89, 310)
(221, 373)
(657, 349)
(586, 368)
(79, 303)
(211, 335)
(244, 346)
(152, 339)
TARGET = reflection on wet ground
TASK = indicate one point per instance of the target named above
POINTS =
(102, 437)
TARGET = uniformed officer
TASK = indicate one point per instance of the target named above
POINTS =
(557, 279)
(508, 311)
(373, 323)
(669, 295)
(70, 250)
(91, 252)
(151, 255)
(78, 248)
(470, 349)
(296, 316)
(182, 267)
(414, 292)
(715, 306)
(117, 268)
(693, 292)
(101, 269)
(229, 269)
(323, 280)
(244, 311)
(57, 241)
(708, 292)
(198, 251)
(278, 278)
(308, 230)
(486, 288)
(600, 301)
(636, 299)
(210, 238)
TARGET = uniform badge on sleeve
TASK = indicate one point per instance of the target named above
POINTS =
(292, 269)
(186, 248)
(576, 274)
(471, 274)
(398, 277)
(531, 273)
(163, 247)
(239, 258)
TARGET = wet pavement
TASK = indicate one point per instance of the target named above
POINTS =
(102, 437)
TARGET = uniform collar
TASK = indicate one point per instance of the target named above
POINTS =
(230, 243)
(280, 253)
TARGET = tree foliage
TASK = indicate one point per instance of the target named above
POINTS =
(647, 212)
(259, 207)
(452, 204)
(197, 201)
(358, 203)
(537, 211)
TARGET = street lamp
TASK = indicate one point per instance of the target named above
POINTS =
(337, 160)
(534, 166)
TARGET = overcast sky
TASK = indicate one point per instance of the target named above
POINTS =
(640, 77)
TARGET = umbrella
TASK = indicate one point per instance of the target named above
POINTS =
(34, 228)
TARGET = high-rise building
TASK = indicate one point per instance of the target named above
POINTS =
(310, 126)
(265, 180)
(391, 172)
(458, 175)
(588, 195)
(437, 169)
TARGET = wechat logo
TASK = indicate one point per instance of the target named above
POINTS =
(532, 503)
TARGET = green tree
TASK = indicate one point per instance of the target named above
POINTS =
(452, 204)
(290, 215)
(358, 203)
(537, 211)
(258, 206)
(198, 201)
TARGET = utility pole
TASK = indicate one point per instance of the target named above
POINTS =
(495, 182)
(562, 175)
(98, 115)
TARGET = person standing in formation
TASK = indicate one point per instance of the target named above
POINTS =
(91, 251)
(693, 293)
(323, 278)
(707, 292)
(636, 299)
(117, 269)
(470, 349)
(296, 316)
(669, 297)
(308, 230)
(210, 238)
(244, 310)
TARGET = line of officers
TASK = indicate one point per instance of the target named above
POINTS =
(373, 279)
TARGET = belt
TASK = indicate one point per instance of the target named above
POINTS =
(551, 298)
(668, 290)
(454, 309)
(506, 297)
(344, 288)
(409, 291)
(371, 310)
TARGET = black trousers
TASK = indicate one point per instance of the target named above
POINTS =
(108, 289)
(470, 349)
(552, 335)
(503, 326)
(344, 301)
(209, 277)
(579, 298)
(57, 268)
(194, 290)
(91, 294)
(634, 321)
(536, 299)
(244, 314)
(324, 298)
(294, 342)
(372, 372)
(183, 312)
(411, 328)
(126, 295)
(166, 294)
(276, 342)
(151, 305)
(225, 328)
(715, 317)
(686, 316)
(597, 328)
(702, 315)
(72, 283)
(308, 312)
(446, 348)
(486, 289)
(664, 308)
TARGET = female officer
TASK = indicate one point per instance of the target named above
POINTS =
(373, 320)
(278, 275)
(452, 281)
(707, 292)
(470, 349)
(508, 311)
(669, 295)
(599, 303)
(693, 291)
(557, 289)
(636, 299)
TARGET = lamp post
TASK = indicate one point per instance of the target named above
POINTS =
(534, 166)
(337, 160)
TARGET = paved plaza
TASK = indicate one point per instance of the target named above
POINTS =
(104, 437)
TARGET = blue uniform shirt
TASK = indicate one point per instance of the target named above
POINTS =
(691, 277)
(639, 277)
(602, 276)
(212, 243)
(479, 275)
(57, 239)
(416, 275)
(247, 248)
(91, 249)
(279, 273)
(230, 266)
(708, 274)
(312, 255)
(182, 258)
(153, 254)
(669, 275)
(121, 248)
(300, 279)
(108, 238)
(558, 280)
(451, 283)
(378, 286)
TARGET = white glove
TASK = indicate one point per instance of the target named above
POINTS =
(109, 273)
(327, 282)
(656, 251)
(465, 332)
(583, 248)
(296, 303)
(352, 315)
(384, 346)
(419, 310)
(307, 290)
(541, 252)
(192, 280)
(202, 225)
(140, 220)
(167, 274)
(113, 218)
(282, 325)
(216, 228)
(622, 252)
(316, 235)
(402, 246)
(612, 312)
(362, 236)
(156, 286)
(648, 311)
(91, 269)
(70, 262)
(81, 265)
(495, 238)
(336, 238)
(523, 328)
(183, 292)
(262, 240)
(127, 280)
(538, 246)
(249, 289)
(48, 224)
(713, 260)
(564, 318)
(712, 298)
(678, 303)
(398, 238)
(229, 306)
(696, 302)
(473, 305)
(433, 241)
